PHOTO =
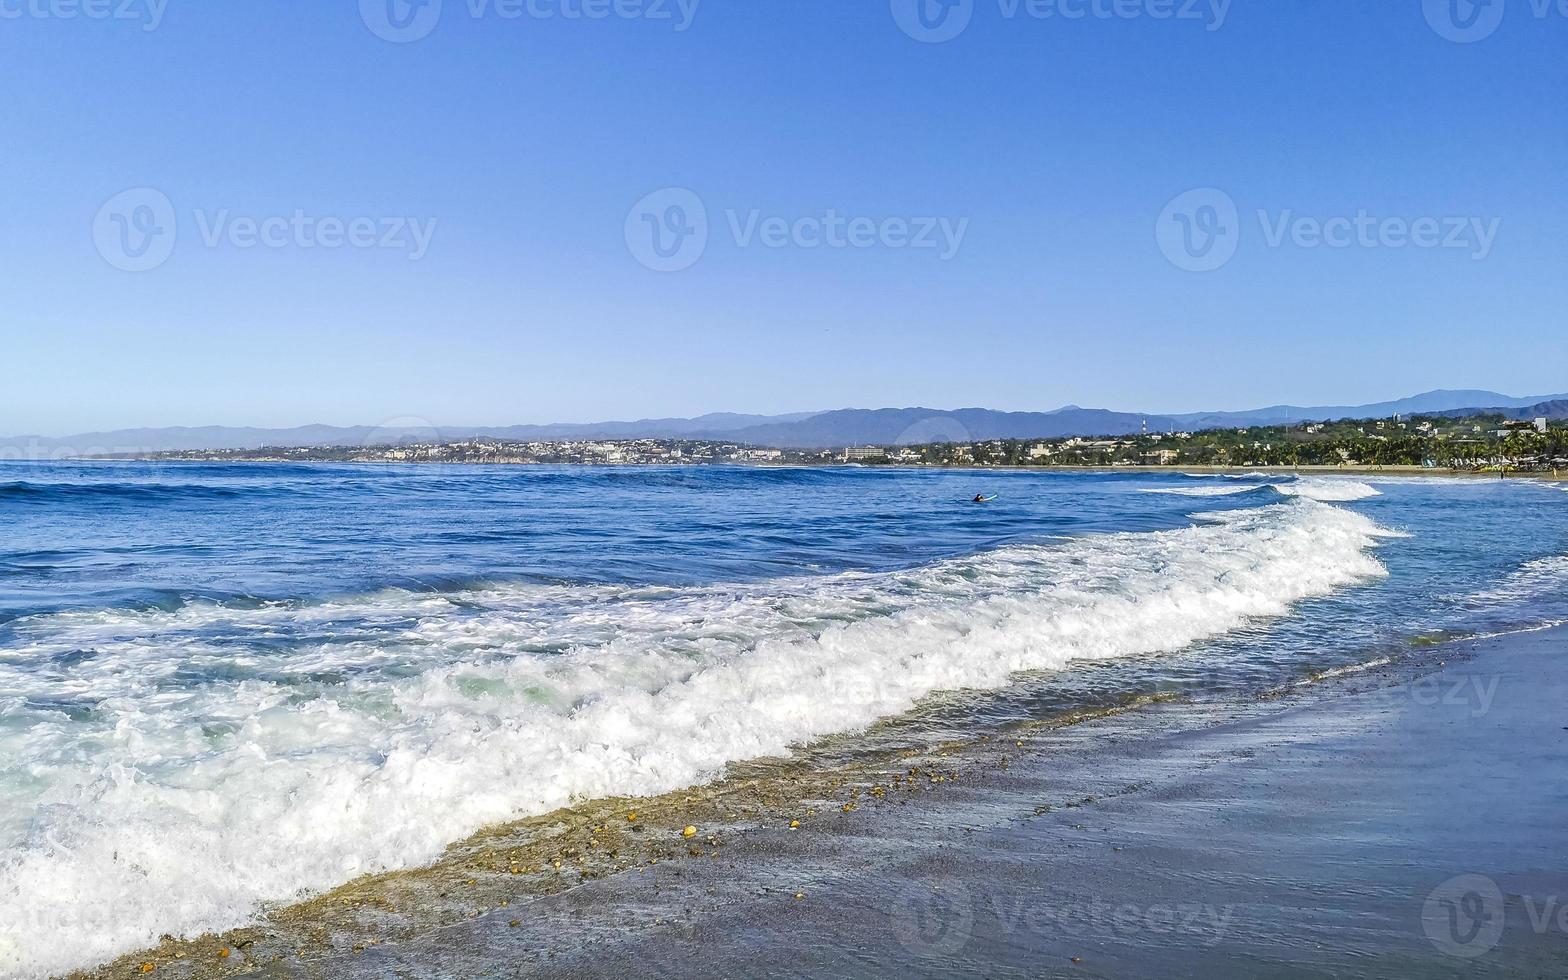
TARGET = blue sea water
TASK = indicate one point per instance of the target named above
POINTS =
(229, 685)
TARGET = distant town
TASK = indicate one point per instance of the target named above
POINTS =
(1478, 443)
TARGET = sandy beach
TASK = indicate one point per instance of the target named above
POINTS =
(1404, 821)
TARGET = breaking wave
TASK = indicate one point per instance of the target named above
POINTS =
(1334, 489)
(175, 771)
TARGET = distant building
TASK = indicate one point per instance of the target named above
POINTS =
(867, 452)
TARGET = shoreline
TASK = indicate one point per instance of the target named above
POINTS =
(1175, 470)
(560, 889)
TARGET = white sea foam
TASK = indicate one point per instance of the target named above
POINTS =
(1208, 491)
(1330, 488)
(230, 758)
(1325, 488)
(1540, 577)
(1345, 671)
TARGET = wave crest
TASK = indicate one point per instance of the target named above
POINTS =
(199, 802)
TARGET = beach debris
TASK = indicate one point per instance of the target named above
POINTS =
(515, 923)
(799, 896)
(631, 817)
(689, 832)
(794, 825)
(849, 807)
(1077, 959)
(148, 967)
(223, 953)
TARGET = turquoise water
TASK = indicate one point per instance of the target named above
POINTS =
(224, 686)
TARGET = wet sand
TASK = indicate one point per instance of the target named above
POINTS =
(1410, 821)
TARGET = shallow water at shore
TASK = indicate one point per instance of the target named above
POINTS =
(1316, 830)
(252, 685)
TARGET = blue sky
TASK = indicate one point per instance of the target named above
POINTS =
(521, 146)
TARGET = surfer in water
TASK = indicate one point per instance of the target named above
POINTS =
(981, 498)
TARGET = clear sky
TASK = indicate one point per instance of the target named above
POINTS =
(1055, 139)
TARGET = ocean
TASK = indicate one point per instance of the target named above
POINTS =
(227, 687)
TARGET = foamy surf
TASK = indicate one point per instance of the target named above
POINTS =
(1328, 488)
(1226, 491)
(190, 781)
(1323, 488)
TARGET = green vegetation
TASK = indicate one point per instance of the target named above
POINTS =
(1480, 443)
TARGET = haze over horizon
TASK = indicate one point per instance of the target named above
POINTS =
(831, 427)
(411, 422)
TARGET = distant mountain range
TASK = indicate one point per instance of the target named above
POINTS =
(805, 430)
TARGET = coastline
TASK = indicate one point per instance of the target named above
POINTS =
(1174, 470)
(1164, 828)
